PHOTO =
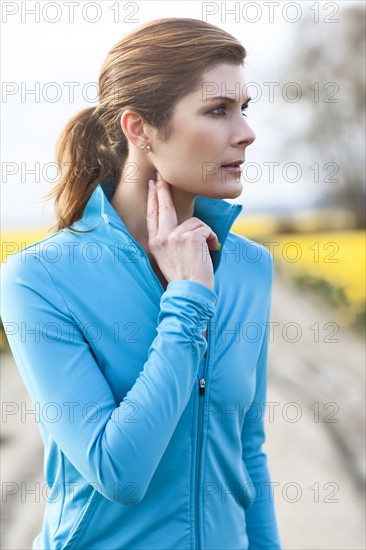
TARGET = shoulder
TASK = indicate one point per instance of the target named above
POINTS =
(248, 258)
(28, 283)
(52, 251)
(31, 263)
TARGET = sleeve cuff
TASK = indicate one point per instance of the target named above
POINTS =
(193, 290)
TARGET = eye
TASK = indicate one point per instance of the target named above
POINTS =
(220, 107)
(244, 108)
(223, 108)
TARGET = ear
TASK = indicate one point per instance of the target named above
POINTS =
(134, 127)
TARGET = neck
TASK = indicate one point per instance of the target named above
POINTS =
(130, 200)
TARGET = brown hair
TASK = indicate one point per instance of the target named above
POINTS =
(149, 70)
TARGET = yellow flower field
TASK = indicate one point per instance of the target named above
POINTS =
(337, 257)
(332, 260)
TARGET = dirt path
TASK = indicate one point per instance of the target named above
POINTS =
(21, 462)
(314, 415)
(315, 430)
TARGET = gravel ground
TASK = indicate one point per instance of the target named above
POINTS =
(315, 443)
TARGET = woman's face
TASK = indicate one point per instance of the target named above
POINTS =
(208, 133)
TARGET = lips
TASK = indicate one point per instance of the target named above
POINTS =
(233, 163)
(235, 169)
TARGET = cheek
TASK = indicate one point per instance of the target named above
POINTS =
(186, 152)
(201, 151)
(189, 149)
(193, 140)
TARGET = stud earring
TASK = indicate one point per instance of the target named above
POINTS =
(142, 147)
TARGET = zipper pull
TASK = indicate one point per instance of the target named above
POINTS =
(202, 386)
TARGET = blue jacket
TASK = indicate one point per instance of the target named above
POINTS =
(153, 435)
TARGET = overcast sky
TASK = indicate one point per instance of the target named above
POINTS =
(69, 43)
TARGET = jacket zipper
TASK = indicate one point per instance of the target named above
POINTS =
(143, 254)
(201, 393)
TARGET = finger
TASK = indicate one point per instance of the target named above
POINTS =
(211, 238)
(193, 224)
(167, 215)
(213, 242)
(152, 210)
(208, 241)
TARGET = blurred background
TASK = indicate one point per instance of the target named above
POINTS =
(303, 197)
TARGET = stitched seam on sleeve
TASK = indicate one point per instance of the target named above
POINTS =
(74, 316)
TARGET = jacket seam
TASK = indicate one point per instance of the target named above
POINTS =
(79, 526)
(74, 316)
(57, 529)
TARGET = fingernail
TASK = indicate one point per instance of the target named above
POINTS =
(158, 176)
(151, 184)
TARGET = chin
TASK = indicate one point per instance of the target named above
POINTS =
(223, 190)
(229, 193)
(223, 194)
(236, 193)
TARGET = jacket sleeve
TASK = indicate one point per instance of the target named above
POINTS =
(261, 523)
(110, 444)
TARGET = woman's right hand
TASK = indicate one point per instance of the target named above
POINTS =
(181, 251)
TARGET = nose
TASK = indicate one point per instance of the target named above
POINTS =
(246, 134)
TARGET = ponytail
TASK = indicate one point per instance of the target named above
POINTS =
(84, 157)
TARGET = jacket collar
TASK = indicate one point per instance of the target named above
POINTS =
(217, 213)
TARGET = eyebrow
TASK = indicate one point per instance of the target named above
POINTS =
(228, 99)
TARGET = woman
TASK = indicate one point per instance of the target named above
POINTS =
(144, 321)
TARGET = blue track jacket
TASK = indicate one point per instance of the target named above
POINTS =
(153, 434)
